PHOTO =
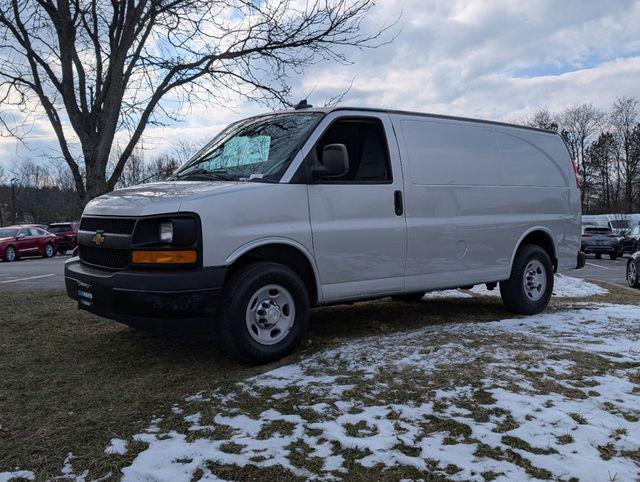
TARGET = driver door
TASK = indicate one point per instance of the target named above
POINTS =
(357, 220)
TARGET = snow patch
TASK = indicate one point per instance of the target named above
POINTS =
(560, 431)
(17, 474)
(563, 287)
(116, 447)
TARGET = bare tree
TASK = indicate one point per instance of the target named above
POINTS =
(133, 172)
(543, 118)
(183, 150)
(624, 120)
(162, 167)
(28, 173)
(602, 154)
(97, 67)
(579, 125)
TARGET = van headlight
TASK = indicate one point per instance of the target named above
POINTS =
(165, 230)
(167, 240)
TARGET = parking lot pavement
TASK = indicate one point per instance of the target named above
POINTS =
(603, 270)
(32, 274)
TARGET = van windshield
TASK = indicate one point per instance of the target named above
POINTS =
(255, 149)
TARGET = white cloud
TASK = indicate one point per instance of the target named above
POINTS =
(497, 60)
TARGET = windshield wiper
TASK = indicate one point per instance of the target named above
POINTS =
(220, 174)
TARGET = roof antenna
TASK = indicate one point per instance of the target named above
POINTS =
(303, 104)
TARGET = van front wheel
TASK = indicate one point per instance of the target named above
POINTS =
(528, 290)
(264, 313)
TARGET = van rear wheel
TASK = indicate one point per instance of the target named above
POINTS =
(528, 290)
(264, 313)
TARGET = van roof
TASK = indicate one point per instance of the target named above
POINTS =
(326, 110)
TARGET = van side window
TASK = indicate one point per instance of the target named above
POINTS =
(366, 146)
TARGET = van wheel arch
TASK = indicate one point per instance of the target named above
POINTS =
(538, 237)
(286, 255)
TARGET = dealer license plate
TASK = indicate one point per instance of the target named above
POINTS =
(85, 295)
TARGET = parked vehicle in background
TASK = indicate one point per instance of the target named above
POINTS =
(21, 240)
(631, 240)
(619, 226)
(617, 222)
(67, 235)
(633, 271)
(286, 211)
(39, 226)
(599, 241)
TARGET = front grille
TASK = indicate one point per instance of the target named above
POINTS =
(106, 257)
(108, 225)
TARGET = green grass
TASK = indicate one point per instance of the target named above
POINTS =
(70, 381)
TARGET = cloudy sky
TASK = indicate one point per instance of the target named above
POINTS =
(495, 59)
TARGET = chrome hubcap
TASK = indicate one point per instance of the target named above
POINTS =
(270, 314)
(632, 274)
(48, 250)
(11, 254)
(535, 280)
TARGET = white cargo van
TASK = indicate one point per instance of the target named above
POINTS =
(286, 211)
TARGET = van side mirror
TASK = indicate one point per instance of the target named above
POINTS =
(334, 163)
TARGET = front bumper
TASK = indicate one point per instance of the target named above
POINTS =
(157, 299)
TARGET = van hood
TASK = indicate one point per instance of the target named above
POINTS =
(162, 197)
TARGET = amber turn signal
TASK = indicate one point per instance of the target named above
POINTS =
(164, 257)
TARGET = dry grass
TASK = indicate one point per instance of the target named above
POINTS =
(70, 381)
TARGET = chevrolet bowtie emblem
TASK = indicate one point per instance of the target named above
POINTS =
(98, 238)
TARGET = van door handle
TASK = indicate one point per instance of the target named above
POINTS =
(397, 201)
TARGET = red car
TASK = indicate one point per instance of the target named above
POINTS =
(67, 235)
(17, 241)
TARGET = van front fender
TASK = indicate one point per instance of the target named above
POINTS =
(278, 240)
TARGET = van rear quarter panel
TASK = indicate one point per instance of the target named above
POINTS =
(474, 190)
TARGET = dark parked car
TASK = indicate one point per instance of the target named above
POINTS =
(633, 271)
(631, 240)
(67, 235)
(599, 241)
(17, 241)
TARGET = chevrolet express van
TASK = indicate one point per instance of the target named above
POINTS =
(286, 211)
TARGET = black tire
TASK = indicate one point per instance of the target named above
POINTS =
(8, 256)
(48, 251)
(598, 256)
(408, 297)
(231, 327)
(633, 274)
(613, 257)
(62, 251)
(514, 294)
